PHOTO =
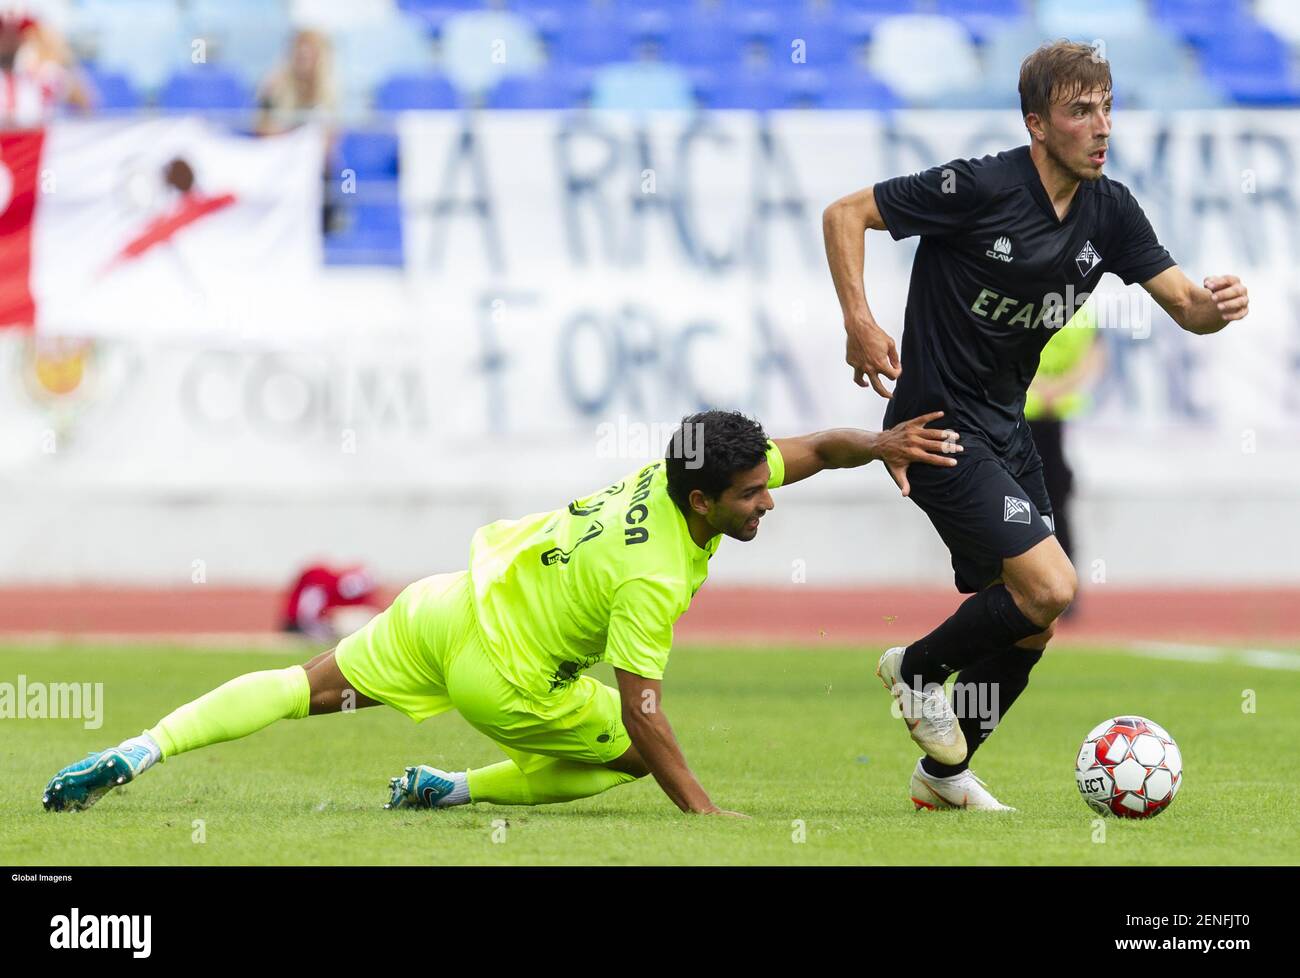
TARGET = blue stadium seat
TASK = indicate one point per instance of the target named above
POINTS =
(1252, 64)
(795, 87)
(548, 16)
(757, 23)
(372, 227)
(113, 90)
(551, 90)
(771, 37)
(367, 55)
(878, 9)
(592, 41)
(363, 248)
(425, 90)
(983, 17)
(803, 87)
(744, 90)
(858, 90)
(704, 41)
(672, 8)
(372, 155)
(1199, 20)
(383, 215)
(792, 8)
(826, 46)
(431, 13)
(650, 25)
(1260, 89)
(205, 87)
(1247, 47)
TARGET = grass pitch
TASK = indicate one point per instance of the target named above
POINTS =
(801, 739)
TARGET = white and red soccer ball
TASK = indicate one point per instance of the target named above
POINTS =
(1130, 767)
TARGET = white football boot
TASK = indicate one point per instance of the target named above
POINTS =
(962, 790)
(929, 716)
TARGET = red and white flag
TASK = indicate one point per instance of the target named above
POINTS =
(168, 226)
(20, 157)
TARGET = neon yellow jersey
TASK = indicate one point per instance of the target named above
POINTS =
(1062, 354)
(602, 579)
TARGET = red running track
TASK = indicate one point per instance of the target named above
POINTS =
(793, 614)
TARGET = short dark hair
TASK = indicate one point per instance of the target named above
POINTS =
(1059, 71)
(708, 449)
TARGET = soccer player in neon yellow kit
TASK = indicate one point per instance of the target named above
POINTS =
(505, 643)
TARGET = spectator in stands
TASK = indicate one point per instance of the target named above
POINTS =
(301, 89)
(36, 75)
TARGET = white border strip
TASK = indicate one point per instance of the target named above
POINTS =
(1260, 658)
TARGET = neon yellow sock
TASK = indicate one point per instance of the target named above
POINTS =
(560, 780)
(236, 709)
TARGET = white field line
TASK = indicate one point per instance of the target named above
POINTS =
(280, 643)
(1261, 658)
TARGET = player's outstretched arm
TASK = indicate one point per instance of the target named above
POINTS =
(1199, 310)
(845, 448)
(648, 728)
(869, 350)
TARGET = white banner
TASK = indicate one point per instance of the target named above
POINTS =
(683, 257)
(576, 283)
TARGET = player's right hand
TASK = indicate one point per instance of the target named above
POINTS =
(871, 352)
(911, 441)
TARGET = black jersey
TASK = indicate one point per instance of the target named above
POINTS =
(991, 281)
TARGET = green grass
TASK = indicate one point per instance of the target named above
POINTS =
(789, 736)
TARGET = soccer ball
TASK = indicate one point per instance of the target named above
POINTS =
(1130, 767)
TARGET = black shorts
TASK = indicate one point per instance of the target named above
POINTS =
(986, 508)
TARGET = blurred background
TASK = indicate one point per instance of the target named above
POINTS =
(296, 294)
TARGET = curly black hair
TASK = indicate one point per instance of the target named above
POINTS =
(708, 449)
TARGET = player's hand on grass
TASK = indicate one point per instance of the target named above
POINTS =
(911, 441)
(1229, 295)
(870, 351)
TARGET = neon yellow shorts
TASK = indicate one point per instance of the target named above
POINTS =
(424, 655)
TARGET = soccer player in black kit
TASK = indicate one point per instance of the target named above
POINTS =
(1001, 239)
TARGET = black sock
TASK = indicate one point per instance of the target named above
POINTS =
(984, 623)
(1004, 676)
